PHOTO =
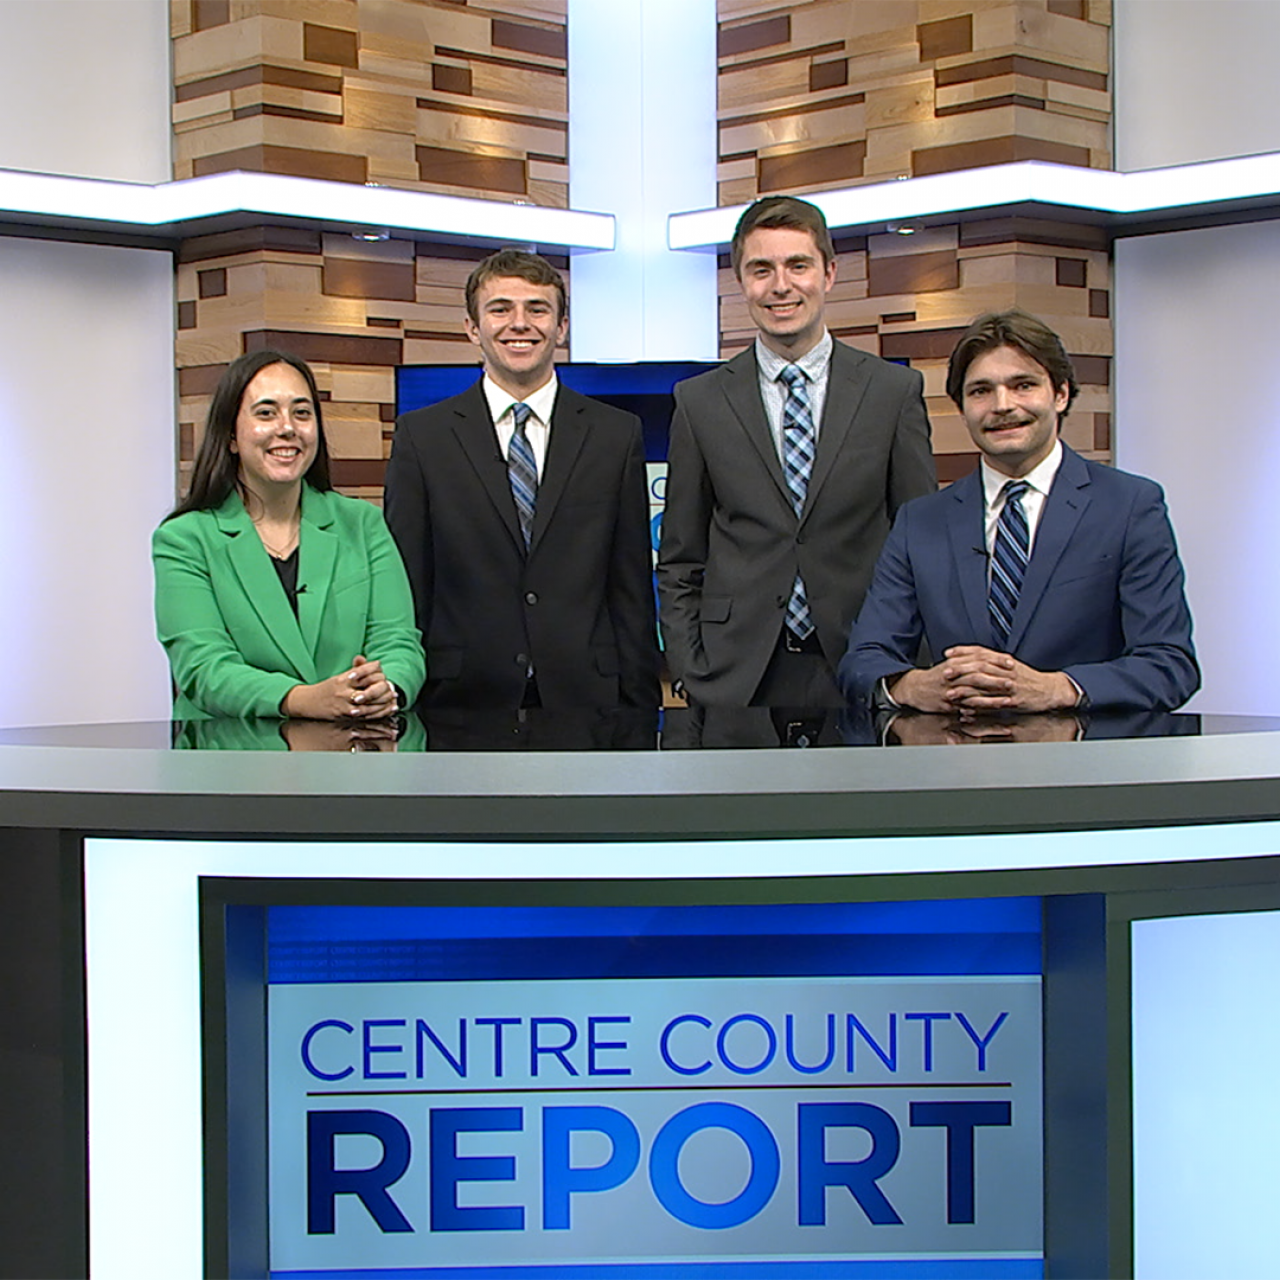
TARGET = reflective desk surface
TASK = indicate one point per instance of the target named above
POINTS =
(628, 729)
(689, 773)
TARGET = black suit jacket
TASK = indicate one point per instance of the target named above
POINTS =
(731, 541)
(578, 607)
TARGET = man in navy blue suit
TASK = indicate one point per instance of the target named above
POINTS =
(1042, 580)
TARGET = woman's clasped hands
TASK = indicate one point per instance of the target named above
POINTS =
(362, 693)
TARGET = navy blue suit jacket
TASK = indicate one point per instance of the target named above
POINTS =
(1102, 599)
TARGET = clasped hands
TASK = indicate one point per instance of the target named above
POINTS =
(972, 678)
(363, 693)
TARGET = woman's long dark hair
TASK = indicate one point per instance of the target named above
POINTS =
(217, 468)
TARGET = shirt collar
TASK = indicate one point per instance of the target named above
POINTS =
(542, 401)
(1040, 477)
(812, 364)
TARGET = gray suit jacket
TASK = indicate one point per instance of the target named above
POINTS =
(731, 542)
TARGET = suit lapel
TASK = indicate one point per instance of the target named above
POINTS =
(474, 430)
(1063, 508)
(568, 431)
(846, 386)
(261, 585)
(742, 390)
(966, 531)
(318, 550)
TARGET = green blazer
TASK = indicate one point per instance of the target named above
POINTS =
(233, 642)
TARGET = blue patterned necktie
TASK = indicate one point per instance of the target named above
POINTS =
(1008, 561)
(799, 445)
(522, 471)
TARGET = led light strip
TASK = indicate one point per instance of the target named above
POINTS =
(1029, 182)
(1100, 191)
(141, 207)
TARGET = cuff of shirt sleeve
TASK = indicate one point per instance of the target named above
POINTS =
(881, 698)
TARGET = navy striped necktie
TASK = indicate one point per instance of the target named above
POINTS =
(522, 471)
(1009, 559)
(799, 448)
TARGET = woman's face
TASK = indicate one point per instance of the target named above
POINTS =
(276, 433)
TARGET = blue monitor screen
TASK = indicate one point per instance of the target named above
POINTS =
(643, 388)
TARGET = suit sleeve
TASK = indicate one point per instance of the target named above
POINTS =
(682, 556)
(1158, 668)
(630, 589)
(407, 508)
(390, 636)
(206, 663)
(886, 635)
(912, 473)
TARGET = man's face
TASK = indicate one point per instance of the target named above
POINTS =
(518, 330)
(785, 283)
(1011, 408)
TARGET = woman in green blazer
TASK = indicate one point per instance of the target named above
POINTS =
(276, 596)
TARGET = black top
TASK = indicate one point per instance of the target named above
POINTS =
(287, 570)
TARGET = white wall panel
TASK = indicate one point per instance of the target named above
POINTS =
(1194, 80)
(1206, 1121)
(1197, 369)
(86, 88)
(87, 439)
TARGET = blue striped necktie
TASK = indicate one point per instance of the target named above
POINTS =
(799, 446)
(1008, 561)
(522, 471)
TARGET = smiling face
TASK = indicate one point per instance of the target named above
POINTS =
(1011, 408)
(276, 434)
(785, 282)
(518, 328)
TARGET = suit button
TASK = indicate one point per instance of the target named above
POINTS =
(531, 597)
(781, 602)
(522, 660)
(799, 539)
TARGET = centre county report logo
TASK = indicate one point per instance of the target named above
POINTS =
(455, 1124)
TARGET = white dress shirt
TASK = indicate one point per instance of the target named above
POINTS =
(538, 426)
(815, 364)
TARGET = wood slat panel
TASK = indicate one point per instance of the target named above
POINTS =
(946, 84)
(913, 273)
(349, 278)
(548, 41)
(377, 65)
(945, 38)
(446, 167)
(295, 161)
(751, 36)
(808, 169)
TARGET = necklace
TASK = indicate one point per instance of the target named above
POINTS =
(284, 551)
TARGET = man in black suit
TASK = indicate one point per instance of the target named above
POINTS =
(521, 511)
(787, 465)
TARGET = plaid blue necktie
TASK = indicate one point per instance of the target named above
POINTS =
(1008, 560)
(799, 445)
(522, 471)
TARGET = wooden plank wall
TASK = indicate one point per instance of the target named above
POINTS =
(427, 95)
(834, 93)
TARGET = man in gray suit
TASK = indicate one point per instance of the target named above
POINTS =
(786, 467)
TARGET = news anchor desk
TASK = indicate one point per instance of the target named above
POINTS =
(1108, 831)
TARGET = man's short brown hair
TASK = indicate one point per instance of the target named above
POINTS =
(532, 267)
(782, 211)
(1015, 329)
